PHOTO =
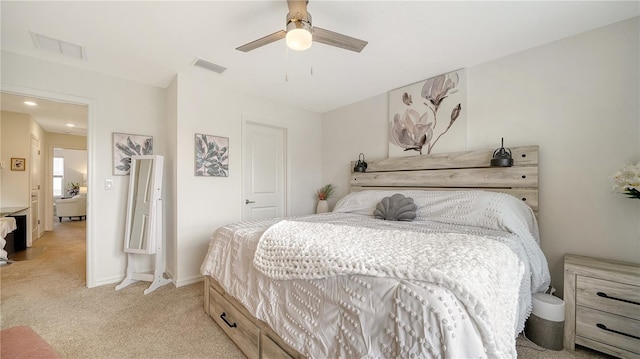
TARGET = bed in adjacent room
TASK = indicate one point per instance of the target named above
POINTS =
(455, 281)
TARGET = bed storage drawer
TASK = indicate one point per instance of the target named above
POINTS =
(608, 328)
(271, 350)
(236, 325)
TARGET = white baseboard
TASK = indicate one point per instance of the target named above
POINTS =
(170, 274)
(187, 281)
(118, 279)
(106, 281)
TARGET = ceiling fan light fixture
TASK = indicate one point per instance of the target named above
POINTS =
(299, 36)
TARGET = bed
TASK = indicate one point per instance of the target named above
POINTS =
(455, 282)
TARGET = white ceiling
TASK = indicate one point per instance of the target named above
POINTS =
(150, 41)
(52, 116)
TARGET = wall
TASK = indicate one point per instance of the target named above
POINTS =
(16, 139)
(170, 197)
(19, 130)
(115, 105)
(203, 106)
(578, 99)
(349, 131)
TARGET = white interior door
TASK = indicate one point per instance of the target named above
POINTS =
(264, 171)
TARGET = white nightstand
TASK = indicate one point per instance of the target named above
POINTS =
(602, 305)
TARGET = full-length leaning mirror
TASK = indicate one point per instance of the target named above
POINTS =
(145, 189)
(143, 230)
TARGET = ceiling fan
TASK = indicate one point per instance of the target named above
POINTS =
(300, 33)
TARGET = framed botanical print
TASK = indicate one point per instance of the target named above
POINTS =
(127, 145)
(211, 156)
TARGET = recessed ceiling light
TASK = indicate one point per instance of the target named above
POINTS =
(30, 103)
(70, 125)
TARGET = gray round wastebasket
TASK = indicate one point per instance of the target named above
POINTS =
(545, 325)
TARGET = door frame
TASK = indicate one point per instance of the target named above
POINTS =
(255, 120)
(91, 145)
(38, 163)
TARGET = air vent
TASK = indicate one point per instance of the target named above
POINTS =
(58, 46)
(208, 65)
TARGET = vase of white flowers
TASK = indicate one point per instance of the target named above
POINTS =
(73, 189)
(627, 180)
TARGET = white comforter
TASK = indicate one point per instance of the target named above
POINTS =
(386, 311)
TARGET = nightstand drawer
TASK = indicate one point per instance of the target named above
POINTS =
(612, 297)
(608, 328)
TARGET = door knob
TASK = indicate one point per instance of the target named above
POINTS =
(247, 201)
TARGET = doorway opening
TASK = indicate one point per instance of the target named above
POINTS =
(62, 123)
(69, 184)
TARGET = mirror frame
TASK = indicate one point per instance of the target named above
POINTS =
(153, 231)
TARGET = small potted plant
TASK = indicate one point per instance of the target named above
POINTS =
(323, 194)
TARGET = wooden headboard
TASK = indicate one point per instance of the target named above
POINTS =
(455, 171)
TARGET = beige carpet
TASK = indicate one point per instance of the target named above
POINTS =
(45, 290)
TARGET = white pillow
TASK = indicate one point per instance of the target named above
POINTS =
(492, 210)
(364, 202)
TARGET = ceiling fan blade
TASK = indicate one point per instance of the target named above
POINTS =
(338, 40)
(262, 41)
(298, 8)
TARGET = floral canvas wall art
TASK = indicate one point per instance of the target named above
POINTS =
(212, 156)
(125, 146)
(429, 116)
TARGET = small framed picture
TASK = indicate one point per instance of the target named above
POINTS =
(18, 164)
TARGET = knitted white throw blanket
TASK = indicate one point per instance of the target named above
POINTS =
(463, 263)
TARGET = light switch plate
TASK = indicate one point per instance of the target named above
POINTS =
(108, 184)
